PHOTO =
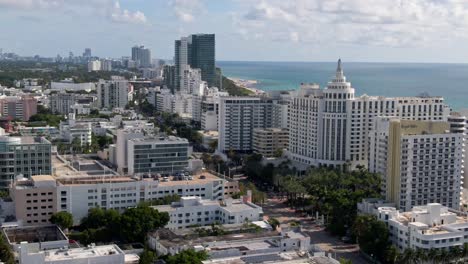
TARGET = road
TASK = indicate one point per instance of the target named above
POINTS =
(321, 239)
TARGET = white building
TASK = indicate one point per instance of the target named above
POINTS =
(70, 130)
(245, 245)
(105, 254)
(190, 81)
(420, 161)
(238, 117)
(94, 65)
(69, 85)
(192, 211)
(425, 227)
(113, 93)
(106, 65)
(330, 126)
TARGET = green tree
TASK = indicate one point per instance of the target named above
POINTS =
(372, 235)
(274, 223)
(62, 219)
(147, 256)
(189, 256)
(6, 254)
(136, 222)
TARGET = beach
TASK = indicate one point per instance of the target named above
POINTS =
(247, 84)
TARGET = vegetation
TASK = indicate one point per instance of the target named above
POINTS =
(46, 117)
(258, 196)
(189, 256)
(372, 235)
(63, 219)
(147, 256)
(6, 254)
(215, 230)
(18, 70)
(101, 225)
(4, 194)
(274, 223)
(230, 87)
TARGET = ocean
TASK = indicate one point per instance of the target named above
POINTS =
(386, 79)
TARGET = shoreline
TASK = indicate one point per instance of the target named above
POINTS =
(247, 84)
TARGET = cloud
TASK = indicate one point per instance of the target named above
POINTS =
(393, 23)
(106, 8)
(124, 16)
(186, 10)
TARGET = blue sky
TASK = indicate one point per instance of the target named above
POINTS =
(271, 30)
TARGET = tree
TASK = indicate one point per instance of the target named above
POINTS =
(278, 153)
(136, 222)
(62, 219)
(372, 235)
(189, 256)
(147, 256)
(6, 254)
(274, 223)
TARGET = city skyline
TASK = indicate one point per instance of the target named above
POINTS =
(375, 31)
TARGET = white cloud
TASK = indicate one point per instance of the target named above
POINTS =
(107, 8)
(372, 22)
(187, 10)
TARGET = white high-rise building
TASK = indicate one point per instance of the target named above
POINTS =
(330, 127)
(112, 93)
(420, 162)
(94, 65)
(238, 117)
(191, 82)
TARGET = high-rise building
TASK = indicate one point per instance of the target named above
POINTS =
(268, 141)
(106, 65)
(197, 51)
(142, 56)
(61, 102)
(112, 93)
(94, 65)
(169, 76)
(238, 117)
(330, 127)
(420, 161)
(87, 53)
(25, 156)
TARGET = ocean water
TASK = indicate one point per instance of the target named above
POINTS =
(386, 79)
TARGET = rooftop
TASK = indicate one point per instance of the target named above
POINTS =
(82, 253)
(34, 234)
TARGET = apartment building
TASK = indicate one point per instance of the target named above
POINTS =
(330, 126)
(420, 162)
(113, 93)
(62, 102)
(425, 227)
(267, 141)
(238, 117)
(18, 107)
(190, 211)
(71, 130)
(26, 156)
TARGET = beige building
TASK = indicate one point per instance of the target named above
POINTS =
(35, 199)
(267, 141)
(420, 161)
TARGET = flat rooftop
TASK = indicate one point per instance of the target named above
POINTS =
(82, 253)
(34, 234)
(68, 166)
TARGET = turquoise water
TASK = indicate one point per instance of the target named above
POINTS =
(387, 79)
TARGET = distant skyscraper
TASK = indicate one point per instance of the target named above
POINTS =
(87, 53)
(198, 51)
(142, 56)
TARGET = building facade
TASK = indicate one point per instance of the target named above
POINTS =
(238, 117)
(142, 56)
(420, 162)
(113, 93)
(25, 156)
(269, 141)
(190, 211)
(330, 127)
(18, 107)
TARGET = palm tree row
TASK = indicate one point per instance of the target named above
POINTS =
(433, 255)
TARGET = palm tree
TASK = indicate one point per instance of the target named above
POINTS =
(443, 256)
(465, 250)
(455, 253)
(420, 255)
(432, 254)
(408, 256)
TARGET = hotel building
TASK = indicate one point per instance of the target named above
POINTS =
(421, 162)
(330, 126)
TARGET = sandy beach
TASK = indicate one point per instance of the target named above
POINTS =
(247, 84)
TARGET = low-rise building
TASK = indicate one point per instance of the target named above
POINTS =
(104, 254)
(425, 227)
(267, 141)
(40, 237)
(165, 241)
(190, 211)
(68, 84)
(71, 130)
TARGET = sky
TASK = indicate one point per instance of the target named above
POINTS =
(246, 30)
